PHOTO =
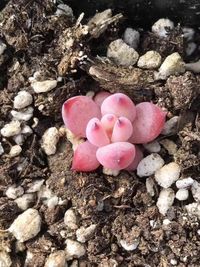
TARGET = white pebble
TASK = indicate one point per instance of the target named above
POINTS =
(11, 129)
(170, 126)
(150, 60)
(63, 9)
(150, 186)
(173, 262)
(50, 140)
(43, 86)
(26, 226)
(162, 26)
(56, 259)
(193, 210)
(22, 100)
(184, 183)
(121, 53)
(195, 188)
(26, 130)
(2, 48)
(70, 219)
(132, 37)
(166, 222)
(74, 249)
(168, 174)
(84, 234)
(165, 200)
(149, 165)
(35, 186)
(152, 147)
(19, 139)
(13, 192)
(182, 194)
(5, 260)
(172, 65)
(25, 201)
(169, 145)
(24, 115)
(1, 149)
(15, 151)
(129, 246)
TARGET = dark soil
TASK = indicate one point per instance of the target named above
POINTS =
(120, 206)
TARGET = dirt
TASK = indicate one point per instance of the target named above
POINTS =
(119, 206)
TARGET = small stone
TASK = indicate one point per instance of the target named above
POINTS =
(70, 219)
(25, 201)
(84, 234)
(170, 126)
(162, 27)
(172, 65)
(165, 200)
(5, 260)
(129, 246)
(11, 129)
(35, 186)
(24, 115)
(15, 151)
(74, 249)
(166, 222)
(132, 37)
(13, 192)
(182, 194)
(193, 210)
(149, 165)
(56, 259)
(43, 86)
(152, 147)
(65, 10)
(2, 48)
(150, 60)
(1, 149)
(121, 53)
(150, 186)
(168, 174)
(19, 139)
(50, 140)
(173, 262)
(169, 145)
(194, 67)
(195, 188)
(26, 130)
(27, 225)
(184, 183)
(22, 100)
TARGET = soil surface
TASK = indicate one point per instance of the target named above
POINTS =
(45, 46)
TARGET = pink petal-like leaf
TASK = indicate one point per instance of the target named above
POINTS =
(100, 97)
(76, 113)
(85, 158)
(116, 156)
(136, 160)
(122, 130)
(108, 122)
(120, 105)
(96, 134)
(149, 122)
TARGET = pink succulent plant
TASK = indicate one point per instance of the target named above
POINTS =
(112, 125)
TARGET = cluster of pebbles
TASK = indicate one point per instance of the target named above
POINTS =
(168, 176)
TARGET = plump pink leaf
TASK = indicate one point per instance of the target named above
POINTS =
(108, 122)
(116, 156)
(100, 97)
(96, 134)
(120, 105)
(76, 113)
(122, 130)
(136, 160)
(148, 124)
(85, 158)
